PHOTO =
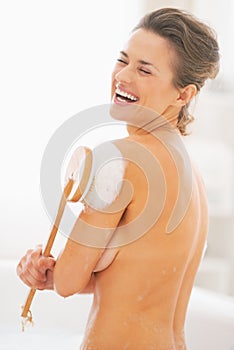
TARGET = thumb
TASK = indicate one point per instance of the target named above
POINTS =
(46, 264)
(51, 262)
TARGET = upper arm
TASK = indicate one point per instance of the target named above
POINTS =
(104, 205)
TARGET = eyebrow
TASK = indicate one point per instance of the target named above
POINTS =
(140, 61)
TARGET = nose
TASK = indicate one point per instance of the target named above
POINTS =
(125, 75)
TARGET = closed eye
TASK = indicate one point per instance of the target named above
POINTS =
(144, 71)
(121, 61)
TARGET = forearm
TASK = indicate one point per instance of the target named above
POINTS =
(89, 288)
(73, 272)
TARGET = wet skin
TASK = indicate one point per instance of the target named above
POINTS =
(141, 290)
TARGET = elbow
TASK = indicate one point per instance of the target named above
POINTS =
(61, 282)
(63, 293)
(61, 290)
(60, 286)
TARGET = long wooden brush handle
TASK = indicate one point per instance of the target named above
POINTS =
(47, 250)
(62, 204)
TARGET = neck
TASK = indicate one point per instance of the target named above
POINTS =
(153, 122)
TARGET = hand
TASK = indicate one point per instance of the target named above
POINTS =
(35, 270)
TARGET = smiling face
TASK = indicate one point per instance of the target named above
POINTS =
(143, 75)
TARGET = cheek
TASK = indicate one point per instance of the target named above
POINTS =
(113, 80)
(114, 72)
(154, 92)
(148, 92)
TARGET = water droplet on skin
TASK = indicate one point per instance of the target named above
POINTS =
(140, 298)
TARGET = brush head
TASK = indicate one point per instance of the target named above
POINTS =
(78, 170)
(96, 175)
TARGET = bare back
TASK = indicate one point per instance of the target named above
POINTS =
(142, 288)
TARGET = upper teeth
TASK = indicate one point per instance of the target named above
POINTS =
(125, 94)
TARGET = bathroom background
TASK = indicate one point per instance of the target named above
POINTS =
(56, 60)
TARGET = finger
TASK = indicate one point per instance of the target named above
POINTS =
(36, 252)
(33, 262)
(18, 269)
(31, 280)
(46, 264)
(28, 269)
(32, 283)
(21, 266)
(32, 268)
(31, 254)
(26, 277)
(23, 260)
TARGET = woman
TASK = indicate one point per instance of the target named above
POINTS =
(141, 285)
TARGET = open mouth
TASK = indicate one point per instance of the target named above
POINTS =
(124, 97)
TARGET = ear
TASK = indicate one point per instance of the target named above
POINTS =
(186, 94)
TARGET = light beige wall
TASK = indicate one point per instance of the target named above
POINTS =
(149, 5)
